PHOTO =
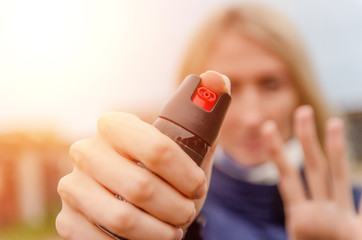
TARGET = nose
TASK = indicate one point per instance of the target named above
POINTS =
(248, 108)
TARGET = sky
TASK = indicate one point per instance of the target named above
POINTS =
(64, 63)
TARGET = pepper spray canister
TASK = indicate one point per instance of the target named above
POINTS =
(193, 117)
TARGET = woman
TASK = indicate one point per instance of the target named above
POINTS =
(270, 78)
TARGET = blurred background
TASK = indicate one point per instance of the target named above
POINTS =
(64, 63)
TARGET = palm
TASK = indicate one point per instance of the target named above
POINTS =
(320, 220)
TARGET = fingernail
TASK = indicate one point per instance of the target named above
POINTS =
(179, 234)
(335, 126)
(305, 111)
(335, 122)
(304, 120)
(213, 82)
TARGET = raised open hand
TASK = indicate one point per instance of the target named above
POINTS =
(326, 210)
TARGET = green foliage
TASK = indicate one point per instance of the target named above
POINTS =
(37, 230)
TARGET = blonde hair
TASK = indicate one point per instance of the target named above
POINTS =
(273, 31)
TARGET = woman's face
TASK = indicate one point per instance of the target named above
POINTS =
(261, 90)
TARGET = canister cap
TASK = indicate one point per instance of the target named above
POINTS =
(204, 123)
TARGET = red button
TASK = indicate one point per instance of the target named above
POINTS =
(204, 98)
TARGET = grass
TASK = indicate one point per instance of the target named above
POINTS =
(38, 230)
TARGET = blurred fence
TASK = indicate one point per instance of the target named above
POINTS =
(31, 164)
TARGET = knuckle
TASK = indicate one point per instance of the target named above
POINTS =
(160, 152)
(64, 227)
(188, 212)
(108, 120)
(62, 185)
(64, 188)
(78, 152)
(122, 221)
(199, 181)
(141, 189)
(105, 121)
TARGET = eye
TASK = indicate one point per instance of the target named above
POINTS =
(271, 83)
